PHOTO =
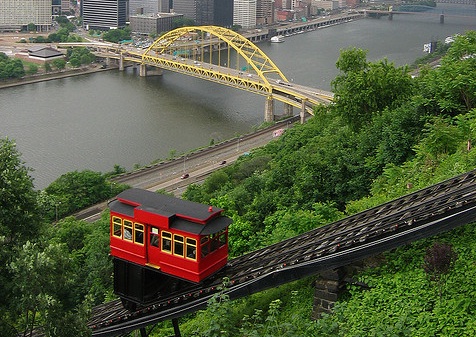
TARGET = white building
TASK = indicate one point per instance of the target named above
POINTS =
(17, 14)
(244, 13)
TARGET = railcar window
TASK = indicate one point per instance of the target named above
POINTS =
(139, 233)
(223, 238)
(117, 227)
(178, 245)
(205, 247)
(215, 243)
(167, 242)
(154, 237)
(128, 230)
(191, 248)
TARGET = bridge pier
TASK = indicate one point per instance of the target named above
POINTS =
(121, 62)
(269, 109)
(303, 111)
(390, 16)
(328, 286)
(288, 110)
(142, 70)
(442, 18)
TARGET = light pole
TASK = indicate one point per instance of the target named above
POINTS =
(238, 145)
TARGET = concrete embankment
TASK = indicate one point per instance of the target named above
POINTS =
(53, 76)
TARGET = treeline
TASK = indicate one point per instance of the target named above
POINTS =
(386, 134)
(51, 272)
(62, 35)
(11, 68)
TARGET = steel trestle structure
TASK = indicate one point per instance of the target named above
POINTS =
(424, 213)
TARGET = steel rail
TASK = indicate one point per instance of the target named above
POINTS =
(418, 215)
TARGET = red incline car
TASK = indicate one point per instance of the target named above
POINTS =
(160, 244)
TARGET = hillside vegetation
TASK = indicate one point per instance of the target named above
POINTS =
(387, 134)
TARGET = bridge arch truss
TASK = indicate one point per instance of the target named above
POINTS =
(206, 52)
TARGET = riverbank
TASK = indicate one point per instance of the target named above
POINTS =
(54, 75)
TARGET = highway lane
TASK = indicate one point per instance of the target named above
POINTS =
(198, 165)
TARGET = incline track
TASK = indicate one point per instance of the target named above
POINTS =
(421, 214)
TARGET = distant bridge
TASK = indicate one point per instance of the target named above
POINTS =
(458, 2)
(219, 55)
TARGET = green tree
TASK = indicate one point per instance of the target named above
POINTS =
(19, 220)
(42, 281)
(32, 69)
(363, 88)
(10, 68)
(75, 62)
(77, 190)
(31, 27)
(59, 64)
(451, 88)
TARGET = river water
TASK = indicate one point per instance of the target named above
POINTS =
(98, 120)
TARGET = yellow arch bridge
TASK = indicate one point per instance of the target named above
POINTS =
(223, 56)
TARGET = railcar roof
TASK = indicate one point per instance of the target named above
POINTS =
(187, 215)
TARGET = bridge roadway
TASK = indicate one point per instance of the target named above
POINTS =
(291, 93)
(421, 214)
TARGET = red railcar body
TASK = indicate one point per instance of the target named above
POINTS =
(163, 234)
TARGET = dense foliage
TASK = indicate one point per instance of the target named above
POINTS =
(386, 135)
(117, 35)
(375, 143)
(10, 68)
(50, 275)
(63, 34)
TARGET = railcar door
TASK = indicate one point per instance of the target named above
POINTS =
(153, 251)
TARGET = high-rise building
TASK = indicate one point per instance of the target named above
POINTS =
(18, 14)
(186, 7)
(104, 14)
(206, 12)
(214, 12)
(264, 12)
(244, 13)
(65, 6)
(153, 23)
(148, 6)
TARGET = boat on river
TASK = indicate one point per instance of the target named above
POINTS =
(277, 39)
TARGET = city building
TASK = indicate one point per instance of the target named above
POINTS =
(244, 13)
(40, 55)
(65, 6)
(16, 15)
(56, 7)
(186, 7)
(206, 12)
(148, 6)
(327, 5)
(264, 12)
(104, 14)
(214, 12)
(153, 23)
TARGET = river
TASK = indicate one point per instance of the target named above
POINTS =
(98, 120)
